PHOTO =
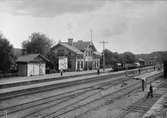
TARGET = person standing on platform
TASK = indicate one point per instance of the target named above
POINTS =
(98, 71)
(61, 72)
(143, 84)
(151, 90)
(139, 71)
(150, 93)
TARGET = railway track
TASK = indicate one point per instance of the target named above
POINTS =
(52, 87)
(141, 106)
(64, 96)
(79, 103)
(83, 102)
(61, 98)
(57, 86)
(112, 96)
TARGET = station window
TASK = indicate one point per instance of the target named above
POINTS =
(60, 52)
(81, 64)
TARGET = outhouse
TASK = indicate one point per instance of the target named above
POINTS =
(32, 64)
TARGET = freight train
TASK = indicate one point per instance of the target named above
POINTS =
(120, 66)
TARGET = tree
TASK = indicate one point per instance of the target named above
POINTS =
(111, 58)
(128, 57)
(37, 43)
(6, 54)
(53, 58)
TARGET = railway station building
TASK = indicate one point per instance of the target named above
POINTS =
(77, 56)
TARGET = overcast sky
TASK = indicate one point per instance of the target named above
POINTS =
(139, 26)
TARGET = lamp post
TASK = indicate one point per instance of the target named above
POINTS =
(103, 61)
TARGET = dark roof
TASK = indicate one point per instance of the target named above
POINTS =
(83, 45)
(31, 58)
(79, 47)
(72, 48)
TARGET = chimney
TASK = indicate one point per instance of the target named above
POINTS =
(70, 41)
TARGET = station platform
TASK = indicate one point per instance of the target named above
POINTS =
(66, 81)
(48, 76)
(56, 76)
(49, 83)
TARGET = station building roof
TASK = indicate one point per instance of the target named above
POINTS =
(79, 47)
(31, 58)
(72, 48)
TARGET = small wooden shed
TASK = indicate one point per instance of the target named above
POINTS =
(32, 64)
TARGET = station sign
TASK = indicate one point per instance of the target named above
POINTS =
(63, 63)
(88, 58)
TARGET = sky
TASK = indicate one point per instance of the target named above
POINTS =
(138, 26)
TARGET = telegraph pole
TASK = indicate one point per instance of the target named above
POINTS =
(91, 31)
(91, 36)
(103, 42)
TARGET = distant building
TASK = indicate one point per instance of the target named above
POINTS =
(141, 62)
(80, 55)
(32, 64)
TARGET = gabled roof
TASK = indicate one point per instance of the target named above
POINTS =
(97, 53)
(83, 45)
(72, 48)
(31, 58)
(79, 47)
